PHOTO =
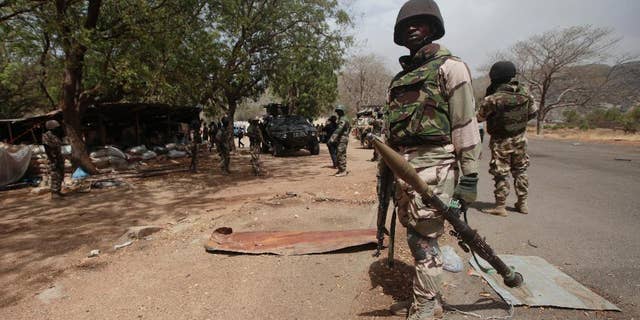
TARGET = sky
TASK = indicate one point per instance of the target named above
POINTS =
(477, 28)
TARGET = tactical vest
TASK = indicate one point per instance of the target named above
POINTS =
(418, 113)
(512, 112)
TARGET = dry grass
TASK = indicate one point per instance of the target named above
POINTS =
(594, 135)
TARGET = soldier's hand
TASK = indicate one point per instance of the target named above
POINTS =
(467, 189)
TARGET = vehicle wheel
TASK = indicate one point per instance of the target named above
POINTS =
(315, 149)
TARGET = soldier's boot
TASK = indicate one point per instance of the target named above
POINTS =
(401, 308)
(431, 310)
(57, 195)
(522, 207)
(342, 173)
(500, 209)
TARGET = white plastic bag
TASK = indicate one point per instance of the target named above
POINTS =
(451, 261)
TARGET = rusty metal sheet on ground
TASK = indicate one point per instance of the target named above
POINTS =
(544, 286)
(288, 242)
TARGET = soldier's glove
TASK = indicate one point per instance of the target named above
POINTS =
(467, 189)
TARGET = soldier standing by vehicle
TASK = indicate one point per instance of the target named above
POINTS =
(507, 108)
(329, 129)
(255, 145)
(52, 141)
(340, 139)
(222, 141)
(431, 122)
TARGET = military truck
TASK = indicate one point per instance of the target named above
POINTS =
(285, 133)
(363, 124)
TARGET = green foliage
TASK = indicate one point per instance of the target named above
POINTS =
(572, 117)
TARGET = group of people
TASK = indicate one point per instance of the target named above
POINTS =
(432, 121)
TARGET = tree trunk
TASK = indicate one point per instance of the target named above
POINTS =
(538, 126)
(233, 105)
(73, 127)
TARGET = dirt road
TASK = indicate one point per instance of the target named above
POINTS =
(45, 273)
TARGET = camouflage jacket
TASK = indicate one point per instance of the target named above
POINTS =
(507, 111)
(430, 112)
(341, 134)
(51, 140)
(254, 133)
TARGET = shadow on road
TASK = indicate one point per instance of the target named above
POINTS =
(395, 282)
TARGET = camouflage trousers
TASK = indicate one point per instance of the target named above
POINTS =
(255, 158)
(424, 226)
(223, 152)
(56, 170)
(341, 155)
(509, 155)
(194, 157)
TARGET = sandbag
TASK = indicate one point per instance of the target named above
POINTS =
(13, 165)
(176, 154)
(139, 150)
(108, 151)
(149, 155)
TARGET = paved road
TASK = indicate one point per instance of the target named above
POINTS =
(585, 216)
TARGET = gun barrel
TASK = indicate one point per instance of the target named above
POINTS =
(404, 171)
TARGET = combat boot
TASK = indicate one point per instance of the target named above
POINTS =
(401, 308)
(57, 195)
(429, 311)
(521, 206)
(500, 209)
(342, 173)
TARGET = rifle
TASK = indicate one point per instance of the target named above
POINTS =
(384, 190)
(467, 236)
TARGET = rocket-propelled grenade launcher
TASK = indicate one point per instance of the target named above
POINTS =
(469, 237)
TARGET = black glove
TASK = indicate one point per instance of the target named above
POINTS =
(467, 189)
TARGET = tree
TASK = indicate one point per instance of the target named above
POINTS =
(364, 81)
(550, 62)
(257, 36)
(139, 51)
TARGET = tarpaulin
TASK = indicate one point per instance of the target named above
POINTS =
(14, 162)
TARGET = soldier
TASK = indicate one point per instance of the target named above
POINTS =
(222, 142)
(340, 140)
(507, 108)
(255, 145)
(52, 140)
(430, 120)
(329, 129)
(196, 140)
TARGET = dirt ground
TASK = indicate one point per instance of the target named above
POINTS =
(599, 135)
(46, 274)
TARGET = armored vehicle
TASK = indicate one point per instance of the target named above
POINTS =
(284, 132)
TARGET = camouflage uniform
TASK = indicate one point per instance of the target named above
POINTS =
(52, 144)
(340, 138)
(255, 146)
(430, 120)
(507, 112)
(222, 142)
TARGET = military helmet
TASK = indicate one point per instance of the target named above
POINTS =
(340, 108)
(502, 70)
(51, 124)
(419, 8)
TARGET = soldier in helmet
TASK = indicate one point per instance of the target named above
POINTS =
(255, 145)
(507, 107)
(377, 127)
(430, 120)
(340, 140)
(52, 141)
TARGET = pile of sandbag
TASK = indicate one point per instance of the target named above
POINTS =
(141, 153)
(39, 161)
(109, 157)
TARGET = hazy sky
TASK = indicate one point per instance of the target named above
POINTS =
(476, 28)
